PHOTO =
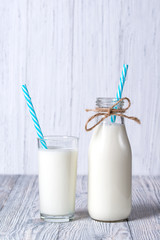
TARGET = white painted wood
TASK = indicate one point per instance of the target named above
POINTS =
(69, 52)
(6, 185)
(20, 219)
(144, 219)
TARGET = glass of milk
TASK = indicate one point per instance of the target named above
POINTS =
(57, 178)
(109, 176)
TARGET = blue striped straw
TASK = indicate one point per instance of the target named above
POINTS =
(120, 86)
(34, 116)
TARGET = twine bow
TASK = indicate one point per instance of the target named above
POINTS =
(106, 112)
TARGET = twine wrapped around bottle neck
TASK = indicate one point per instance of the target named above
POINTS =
(106, 112)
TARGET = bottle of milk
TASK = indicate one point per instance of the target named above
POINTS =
(110, 168)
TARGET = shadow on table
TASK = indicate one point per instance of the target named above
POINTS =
(146, 210)
(81, 214)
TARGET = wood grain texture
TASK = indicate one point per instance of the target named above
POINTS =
(69, 52)
(144, 221)
(6, 185)
(16, 210)
(19, 217)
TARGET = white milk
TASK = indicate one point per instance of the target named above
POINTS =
(109, 181)
(57, 181)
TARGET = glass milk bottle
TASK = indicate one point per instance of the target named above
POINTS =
(110, 168)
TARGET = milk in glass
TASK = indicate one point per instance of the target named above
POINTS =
(57, 182)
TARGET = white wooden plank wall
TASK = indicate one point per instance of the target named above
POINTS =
(69, 52)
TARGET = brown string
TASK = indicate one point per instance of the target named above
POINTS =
(106, 112)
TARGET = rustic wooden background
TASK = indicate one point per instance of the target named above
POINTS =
(69, 52)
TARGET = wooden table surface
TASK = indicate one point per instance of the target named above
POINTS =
(19, 213)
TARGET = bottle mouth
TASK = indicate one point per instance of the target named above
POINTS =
(104, 102)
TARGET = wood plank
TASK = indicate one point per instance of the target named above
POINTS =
(20, 219)
(14, 213)
(82, 184)
(70, 52)
(144, 222)
(6, 185)
(13, 32)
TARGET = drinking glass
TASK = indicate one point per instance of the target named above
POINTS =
(57, 177)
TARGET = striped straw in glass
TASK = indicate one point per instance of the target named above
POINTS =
(34, 116)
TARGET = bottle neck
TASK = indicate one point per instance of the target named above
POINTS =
(107, 103)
